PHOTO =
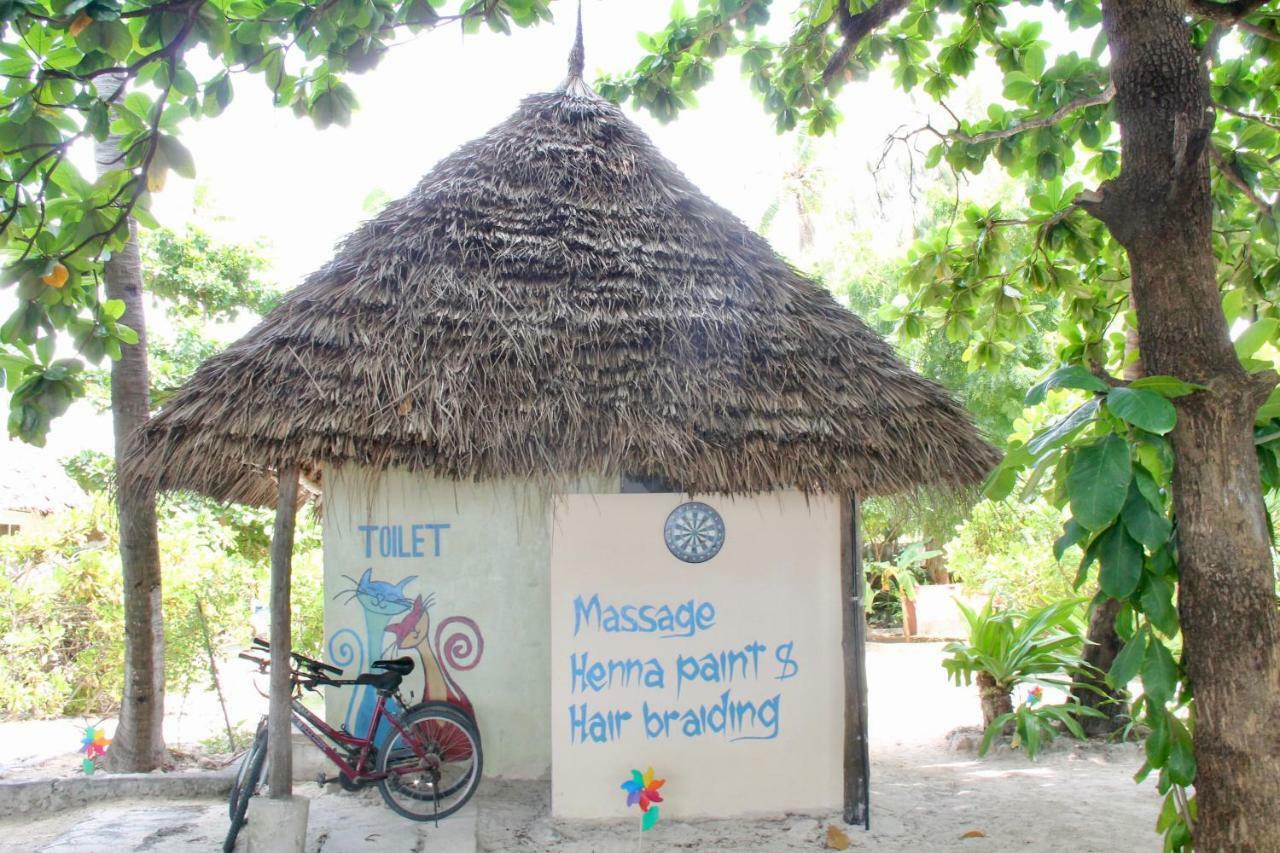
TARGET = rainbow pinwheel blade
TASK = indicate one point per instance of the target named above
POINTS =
(648, 819)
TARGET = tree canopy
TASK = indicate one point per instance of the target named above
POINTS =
(983, 275)
(79, 70)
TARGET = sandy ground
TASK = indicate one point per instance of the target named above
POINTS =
(924, 797)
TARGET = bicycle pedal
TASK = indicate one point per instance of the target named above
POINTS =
(323, 780)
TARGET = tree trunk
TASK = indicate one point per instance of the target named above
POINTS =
(279, 725)
(908, 616)
(138, 742)
(1089, 687)
(936, 566)
(995, 700)
(1159, 208)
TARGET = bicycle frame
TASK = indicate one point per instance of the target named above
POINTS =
(325, 735)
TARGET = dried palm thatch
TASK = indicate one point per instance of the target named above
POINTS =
(555, 299)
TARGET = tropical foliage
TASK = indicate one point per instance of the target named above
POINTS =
(1008, 649)
(978, 280)
(1040, 646)
(62, 617)
(1035, 725)
(87, 69)
(1005, 549)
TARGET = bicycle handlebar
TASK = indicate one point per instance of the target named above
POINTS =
(310, 663)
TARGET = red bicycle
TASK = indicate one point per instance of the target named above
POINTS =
(427, 768)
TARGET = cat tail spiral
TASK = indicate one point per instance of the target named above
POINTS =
(459, 651)
(347, 649)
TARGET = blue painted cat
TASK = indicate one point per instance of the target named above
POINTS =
(380, 601)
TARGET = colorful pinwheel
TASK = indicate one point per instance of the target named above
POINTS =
(642, 788)
(1034, 697)
(94, 745)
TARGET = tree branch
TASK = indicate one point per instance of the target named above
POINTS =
(854, 28)
(1259, 30)
(1266, 121)
(1234, 178)
(1103, 97)
(1228, 13)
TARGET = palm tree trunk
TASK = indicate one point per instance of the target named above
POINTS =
(995, 700)
(138, 744)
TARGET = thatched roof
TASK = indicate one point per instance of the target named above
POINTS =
(556, 299)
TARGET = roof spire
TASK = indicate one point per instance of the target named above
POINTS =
(577, 55)
(574, 84)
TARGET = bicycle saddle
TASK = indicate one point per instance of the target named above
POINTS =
(400, 666)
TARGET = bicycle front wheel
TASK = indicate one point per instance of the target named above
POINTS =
(433, 767)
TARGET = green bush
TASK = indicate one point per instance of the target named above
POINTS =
(1009, 648)
(61, 621)
(1005, 549)
(62, 618)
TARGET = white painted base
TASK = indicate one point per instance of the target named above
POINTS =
(277, 826)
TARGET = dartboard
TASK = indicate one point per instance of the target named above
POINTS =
(694, 532)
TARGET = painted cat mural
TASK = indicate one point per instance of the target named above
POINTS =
(458, 652)
(382, 601)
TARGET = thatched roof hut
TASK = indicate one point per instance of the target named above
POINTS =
(556, 304)
(556, 299)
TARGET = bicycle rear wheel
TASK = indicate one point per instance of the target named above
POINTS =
(433, 767)
(258, 742)
(405, 752)
(246, 785)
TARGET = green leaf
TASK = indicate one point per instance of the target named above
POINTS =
(1029, 725)
(992, 732)
(1147, 486)
(1146, 525)
(1166, 386)
(1158, 740)
(1181, 765)
(1159, 674)
(1089, 558)
(1099, 481)
(1073, 376)
(1000, 483)
(1252, 338)
(1270, 409)
(1073, 533)
(217, 94)
(1144, 409)
(110, 37)
(1157, 603)
(176, 156)
(1128, 663)
(1121, 559)
(113, 309)
(1062, 432)
(126, 335)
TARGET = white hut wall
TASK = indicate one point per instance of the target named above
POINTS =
(456, 576)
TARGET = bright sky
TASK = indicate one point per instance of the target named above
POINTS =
(272, 178)
(302, 189)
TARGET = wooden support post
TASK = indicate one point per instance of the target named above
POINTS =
(857, 760)
(279, 739)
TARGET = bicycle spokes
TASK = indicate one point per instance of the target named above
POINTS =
(432, 766)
